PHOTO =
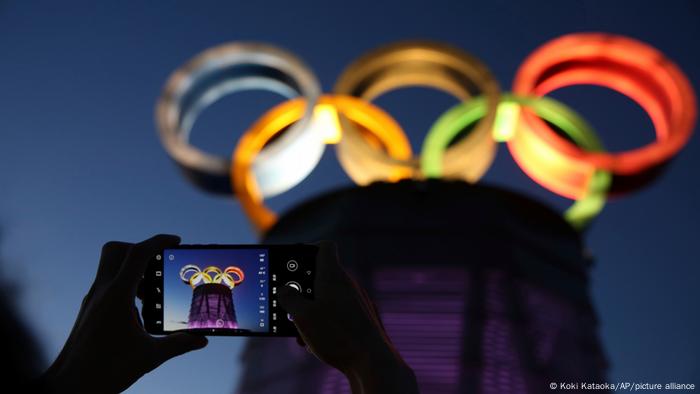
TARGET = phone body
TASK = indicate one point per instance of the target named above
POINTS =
(225, 290)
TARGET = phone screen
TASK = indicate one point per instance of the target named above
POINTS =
(225, 290)
(216, 288)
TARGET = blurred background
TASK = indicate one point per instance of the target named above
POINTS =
(80, 162)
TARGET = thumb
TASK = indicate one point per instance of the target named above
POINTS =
(293, 302)
(177, 344)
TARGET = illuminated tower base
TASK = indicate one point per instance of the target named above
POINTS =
(482, 290)
(212, 307)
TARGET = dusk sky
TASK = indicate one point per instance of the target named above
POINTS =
(81, 163)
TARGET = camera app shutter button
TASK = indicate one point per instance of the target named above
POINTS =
(294, 285)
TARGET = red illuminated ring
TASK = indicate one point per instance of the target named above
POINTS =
(630, 67)
(237, 271)
(227, 278)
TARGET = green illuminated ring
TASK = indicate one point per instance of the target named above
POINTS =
(463, 115)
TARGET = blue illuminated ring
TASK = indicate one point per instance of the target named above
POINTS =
(227, 69)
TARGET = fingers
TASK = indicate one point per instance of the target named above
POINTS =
(177, 344)
(293, 302)
(140, 290)
(377, 316)
(111, 259)
(364, 299)
(328, 268)
(138, 257)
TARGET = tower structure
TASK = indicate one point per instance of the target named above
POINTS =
(212, 295)
(212, 307)
(480, 289)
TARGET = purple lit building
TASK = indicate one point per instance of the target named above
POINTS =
(482, 290)
(212, 307)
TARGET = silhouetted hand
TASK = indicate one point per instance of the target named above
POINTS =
(342, 328)
(108, 349)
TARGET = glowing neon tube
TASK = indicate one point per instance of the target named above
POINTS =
(539, 161)
(630, 67)
(224, 70)
(421, 63)
(378, 125)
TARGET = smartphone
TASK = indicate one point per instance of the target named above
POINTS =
(225, 290)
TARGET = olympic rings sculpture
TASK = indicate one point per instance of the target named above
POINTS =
(194, 276)
(285, 144)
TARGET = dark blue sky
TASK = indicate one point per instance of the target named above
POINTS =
(81, 163)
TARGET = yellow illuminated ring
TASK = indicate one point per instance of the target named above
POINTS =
(202, 276)
(211, 269)
(376, 124)
(419, 63)
(199, 277)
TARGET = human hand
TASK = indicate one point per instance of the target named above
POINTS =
(342, 328)
(108, 349)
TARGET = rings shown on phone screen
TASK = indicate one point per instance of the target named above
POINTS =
(228, 279)
(227, 69)
(194, 276)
